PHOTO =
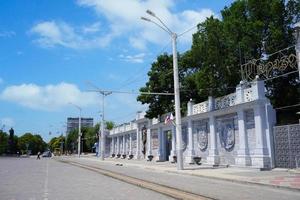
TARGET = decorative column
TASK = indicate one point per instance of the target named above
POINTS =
(213, 154)
(124, 145)
(261, 157)
(138, 143)
(190, 148)
(149, 143)
(160, 152)
(173, 150)
(118, 145)
(239, 91)
(113, 145)
(130, 144)
(243, 157)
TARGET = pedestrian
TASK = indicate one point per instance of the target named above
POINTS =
(38, 156)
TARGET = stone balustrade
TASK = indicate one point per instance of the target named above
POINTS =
(226, 101)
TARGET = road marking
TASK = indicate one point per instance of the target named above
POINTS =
(163, 189)
(45, 194)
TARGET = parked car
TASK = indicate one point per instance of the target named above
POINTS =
(47, 154)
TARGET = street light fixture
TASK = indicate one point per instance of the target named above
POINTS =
(102, 136)
(79, 127)
(163, 26)
(101, 140)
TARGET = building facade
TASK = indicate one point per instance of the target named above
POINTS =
(72, 123)
(235, 130)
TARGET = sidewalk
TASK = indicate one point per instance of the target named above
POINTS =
(281, 178)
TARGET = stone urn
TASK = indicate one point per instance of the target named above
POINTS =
(197, 160)
(150, 157)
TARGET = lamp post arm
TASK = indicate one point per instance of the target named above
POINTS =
(168, 30)
(157, 24)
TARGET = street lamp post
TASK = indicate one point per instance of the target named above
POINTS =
(297, 46)
(79, 127)
(179, 149)
(102, 136)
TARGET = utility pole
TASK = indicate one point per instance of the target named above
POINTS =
(102, 136)
(297, 46)
(179, 149)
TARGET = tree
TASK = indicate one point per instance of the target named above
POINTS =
(89, 137)
(248, 29)
(160, 80)
(35, 143)
(3, 142)
(109, 125)
(56, 143)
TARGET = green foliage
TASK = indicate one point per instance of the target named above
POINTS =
(160, 80)
(109, 125)
(3, 142)
(71, 140)
(89, 137)
(56, 143)
(35, 143)
(249, 29)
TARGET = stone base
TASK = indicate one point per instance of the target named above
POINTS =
(171, 159)
(159, 158)
(189, 160)
(213, 160)
(243, 161)
(260, 161)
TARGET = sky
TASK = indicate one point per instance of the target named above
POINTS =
(55, 52)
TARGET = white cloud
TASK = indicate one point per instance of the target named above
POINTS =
(49, 97)
(52, 33)
(93, 28)
(124, 17)
(7, 34)
(138, 58)
(7, 122)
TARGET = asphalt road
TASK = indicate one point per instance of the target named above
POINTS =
(28, 178)
(31, 179)
(217, 189)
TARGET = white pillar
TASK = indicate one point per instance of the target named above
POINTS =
(118, 145)
(190, 105)
(113, 145)
(261, 156)
(124, 145)
(190, 147)
(149, 143)
(213, 154)
(239, 91)
(160, 152)
(173, 150)
(138, 144)
(242, 157)
(130, 144)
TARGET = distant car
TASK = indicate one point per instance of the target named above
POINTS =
(47, 154)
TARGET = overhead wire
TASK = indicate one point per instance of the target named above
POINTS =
(140, 72)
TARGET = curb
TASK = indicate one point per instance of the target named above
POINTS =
(204, 176)
(238, 181)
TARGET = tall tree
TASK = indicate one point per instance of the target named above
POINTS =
(35, 143)
(248, 29)
(160, 80)
(3, 142)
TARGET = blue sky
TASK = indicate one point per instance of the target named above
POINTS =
(51, 50)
